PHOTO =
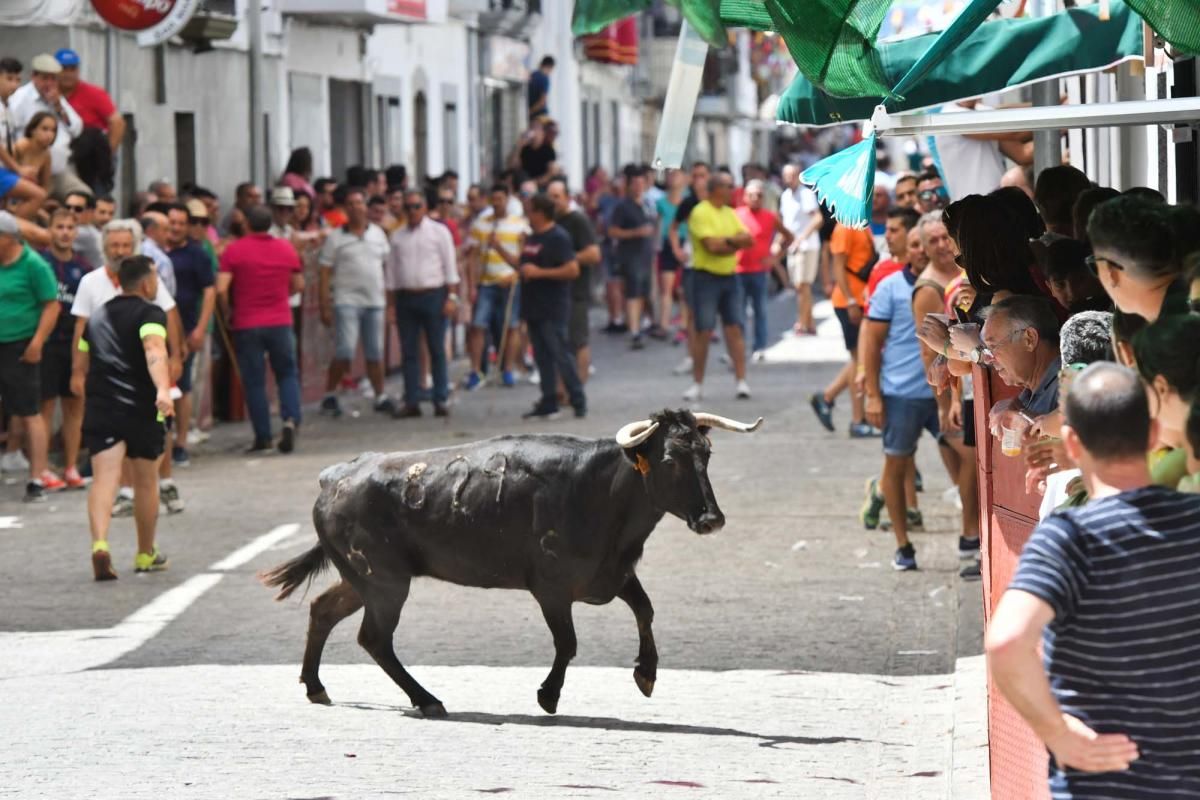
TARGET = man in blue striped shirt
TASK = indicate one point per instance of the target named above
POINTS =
(1110, 590)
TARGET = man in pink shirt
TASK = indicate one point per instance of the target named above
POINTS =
(90, 101)
(264, 271)
(754, 262)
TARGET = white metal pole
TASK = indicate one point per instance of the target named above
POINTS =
(258, 161)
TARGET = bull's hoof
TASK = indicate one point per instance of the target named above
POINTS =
(320, 698)
(646, 685)
(434, 711)
(547, 701)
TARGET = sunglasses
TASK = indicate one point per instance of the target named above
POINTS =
(1092, 264)
(445, 201)
(76, 209)
(414, 206)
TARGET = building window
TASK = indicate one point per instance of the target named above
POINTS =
(345, 125)
(128, 179)
(450, 137)
(587, 134)
(390, 133)
(420, 138)
(596, 133)
(185, 148)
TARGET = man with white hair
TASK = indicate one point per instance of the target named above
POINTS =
(801, 214)
(123, 238)
(42, 93)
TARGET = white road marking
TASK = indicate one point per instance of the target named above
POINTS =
(61, 652)
(255, 548)
(8, 523)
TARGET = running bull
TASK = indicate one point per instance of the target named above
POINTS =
(563, 517)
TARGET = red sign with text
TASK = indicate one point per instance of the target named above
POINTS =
(135, 15)
(409, 8)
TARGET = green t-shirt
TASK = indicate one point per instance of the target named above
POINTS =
(26, 285)
(707, 221)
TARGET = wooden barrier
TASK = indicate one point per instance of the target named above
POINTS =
(1008, 514)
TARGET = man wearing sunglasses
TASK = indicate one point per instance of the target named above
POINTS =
(1020, 342)
(87, 241)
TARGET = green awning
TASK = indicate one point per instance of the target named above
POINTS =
(1177, 21)
(1000, 54)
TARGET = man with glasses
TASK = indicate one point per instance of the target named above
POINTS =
(931, 193)
(1020, 342)
(87, 240)
(422, 274)
(352, 299)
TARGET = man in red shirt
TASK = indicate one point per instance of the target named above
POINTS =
(90, 101)
(754, 262)
(264, 271)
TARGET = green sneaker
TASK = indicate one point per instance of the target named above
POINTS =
(872, 505)
(916, 522)
(150, 562)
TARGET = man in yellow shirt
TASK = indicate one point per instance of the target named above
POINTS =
(497, 239)
(717, 235)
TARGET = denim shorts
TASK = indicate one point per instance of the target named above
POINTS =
(904, 417)
(354, 322)
(490, 305)
(715, 294)
(188, 376)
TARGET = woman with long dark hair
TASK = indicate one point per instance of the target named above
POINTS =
(298, 172)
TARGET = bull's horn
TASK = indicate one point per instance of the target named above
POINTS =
(635, 433)
(724, 423)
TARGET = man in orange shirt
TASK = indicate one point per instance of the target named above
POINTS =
(854, 255)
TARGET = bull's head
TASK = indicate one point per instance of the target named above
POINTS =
(671, 450)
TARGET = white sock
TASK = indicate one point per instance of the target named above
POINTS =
(164, 483)
(126, 492)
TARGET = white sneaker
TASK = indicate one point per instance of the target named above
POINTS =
(759, 357)
(683, 367)
(534, 377)
(198, 437)
(743, 390)
(14, 462)
(694, 393)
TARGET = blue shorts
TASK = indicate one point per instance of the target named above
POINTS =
(490, 305)
(8, 179)
(687, 283)
(904, 417)
(188, 376)
(715, 294)
(353, 323)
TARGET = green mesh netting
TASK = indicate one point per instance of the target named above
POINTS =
(591, 16)
(1177, 21)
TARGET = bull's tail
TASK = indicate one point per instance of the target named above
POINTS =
(289, 575)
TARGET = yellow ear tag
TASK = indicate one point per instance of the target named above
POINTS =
(642, 465)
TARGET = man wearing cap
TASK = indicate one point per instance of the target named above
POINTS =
(94, 105)
(29, 293)
(42, 93)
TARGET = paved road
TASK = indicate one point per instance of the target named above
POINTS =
(836, 659)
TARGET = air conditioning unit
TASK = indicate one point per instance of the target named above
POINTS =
(215, 20)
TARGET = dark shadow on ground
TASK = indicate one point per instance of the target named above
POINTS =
(611, 724)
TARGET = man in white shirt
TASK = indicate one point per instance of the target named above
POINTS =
(975, 163)
(42, 94)
(352, 295)
(422, 275)
(801, 214)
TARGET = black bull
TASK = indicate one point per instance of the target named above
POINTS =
(563, 517)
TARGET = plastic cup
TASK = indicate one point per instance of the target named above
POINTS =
(1010, 441)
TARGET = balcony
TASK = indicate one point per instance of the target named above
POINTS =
(653, 72)
(365, 13)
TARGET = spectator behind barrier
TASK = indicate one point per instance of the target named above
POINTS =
(993, 233)
(1139, 246)
(1089, 577)
(1056, 192)
(1084, 205)
(1168, 358)
(1063, 264)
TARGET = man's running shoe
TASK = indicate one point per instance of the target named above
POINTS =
(694, 392)
(330, 406)
(51, 482)
(14, 462)
(74, 480)
(683, 367)
(823, 409)
(287, 437)
(861, 430)
(970, 572)
(150, 562)
(169, 496)
(541, 412)
(919, 482)
(472, 381)
(968, 548)
(124, 506)
(916, 521)
(508, 379)
(180, 457)
(35, 492)
(259, 446)
(102, 568)
(615, 327)
(743, 390)
(905, 559)
(872, 505)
